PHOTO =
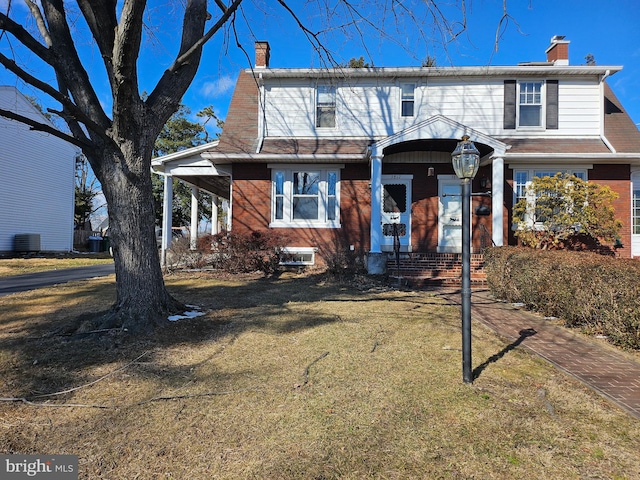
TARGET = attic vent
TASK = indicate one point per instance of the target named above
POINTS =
(27, 242)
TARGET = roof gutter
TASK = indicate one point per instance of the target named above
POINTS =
(495, 71)
(285, 158)
(602, 107)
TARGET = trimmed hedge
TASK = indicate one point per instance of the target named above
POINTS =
(599, 294)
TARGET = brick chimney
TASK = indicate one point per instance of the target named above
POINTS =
(263, 52)
(558, 51)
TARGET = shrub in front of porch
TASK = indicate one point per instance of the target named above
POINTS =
(598, 294)
(566, 212)
(257, 251)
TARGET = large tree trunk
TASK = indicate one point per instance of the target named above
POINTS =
(142, 301)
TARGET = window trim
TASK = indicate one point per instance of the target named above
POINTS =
(544, 169)
(411, 99)
(293, 251)
(542, 104)
(287, 170)
(317, 105)
(635, 210)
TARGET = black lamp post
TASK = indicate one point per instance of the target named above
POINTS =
(466, 159)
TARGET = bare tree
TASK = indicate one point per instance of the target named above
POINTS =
(119, 144)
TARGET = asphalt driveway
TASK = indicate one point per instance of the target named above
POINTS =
(31, 281)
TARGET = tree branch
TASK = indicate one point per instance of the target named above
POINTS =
(95, 381)
(67, 64)
(38, 126)
(186, 54)
(25, 38)
(102, 21)
(66, 102)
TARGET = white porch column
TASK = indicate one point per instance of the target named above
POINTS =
(227, 213)
(376, 260)
(376, 202)
(497, 201)
(167, 209)
(215, 229)
(193, 227)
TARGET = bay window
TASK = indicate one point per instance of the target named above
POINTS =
(305, 196)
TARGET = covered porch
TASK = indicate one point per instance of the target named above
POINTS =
(200, 174)
(416, 197)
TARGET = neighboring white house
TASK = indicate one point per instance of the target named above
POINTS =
(37, 180)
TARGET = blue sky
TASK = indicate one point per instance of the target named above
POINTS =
(606, 29)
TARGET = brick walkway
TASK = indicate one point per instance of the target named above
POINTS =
(609, 373)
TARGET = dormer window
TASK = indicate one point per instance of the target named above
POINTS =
(408, 97)
(326, 106)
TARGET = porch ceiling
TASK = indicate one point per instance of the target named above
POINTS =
(445, 145)
(217, 185)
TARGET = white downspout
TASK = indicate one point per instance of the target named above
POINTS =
(602, 135)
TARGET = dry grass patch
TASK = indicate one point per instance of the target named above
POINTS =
(295, 377)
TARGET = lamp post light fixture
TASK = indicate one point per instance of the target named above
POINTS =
(466, 160)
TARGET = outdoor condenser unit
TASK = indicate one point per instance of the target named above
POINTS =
(27, 242)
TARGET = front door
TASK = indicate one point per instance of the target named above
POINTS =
(396, 212)
(449, 215)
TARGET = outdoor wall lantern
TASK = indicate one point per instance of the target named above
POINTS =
(466, 160)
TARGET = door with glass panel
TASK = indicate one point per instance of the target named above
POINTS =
(396, 212)
(449, 216)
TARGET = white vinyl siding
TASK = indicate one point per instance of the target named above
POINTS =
(37, 181)
(373, 108)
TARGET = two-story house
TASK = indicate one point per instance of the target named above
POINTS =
(346, 158)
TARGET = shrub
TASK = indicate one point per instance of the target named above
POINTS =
(243, 252)
(344, 262)
(595, 293)
(565, 212)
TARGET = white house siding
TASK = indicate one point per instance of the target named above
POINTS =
(37, 180)
(371, 107)
(579, 107)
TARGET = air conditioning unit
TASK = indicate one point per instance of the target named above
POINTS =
(27, 242)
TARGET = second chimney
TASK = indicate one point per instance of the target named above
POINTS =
(263, 52)
(558, 51)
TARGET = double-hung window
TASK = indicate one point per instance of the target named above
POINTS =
(408, 99)
(326, 106)
(305, 196)
(523, 178)
(530, 104)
